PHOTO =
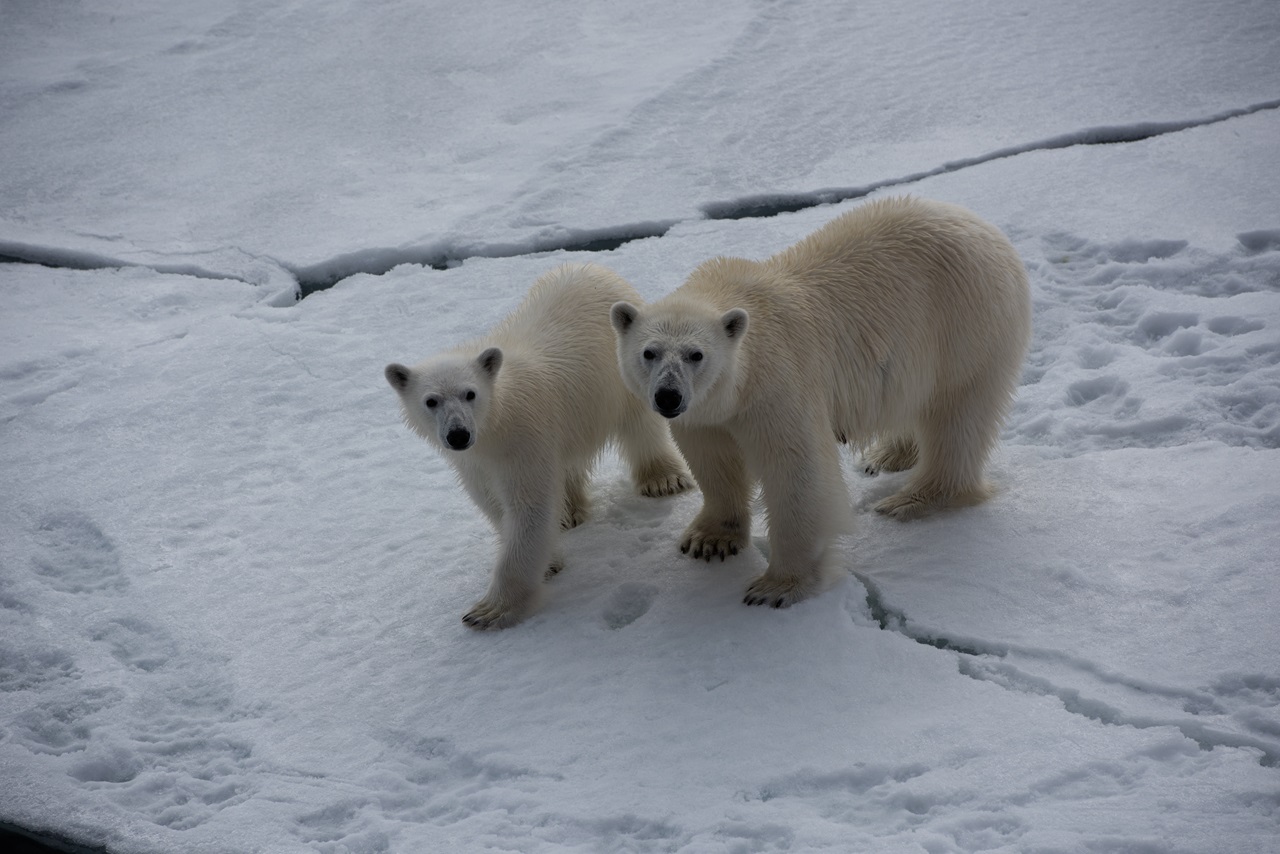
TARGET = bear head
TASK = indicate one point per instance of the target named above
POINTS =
(445, 399)
(679, 355)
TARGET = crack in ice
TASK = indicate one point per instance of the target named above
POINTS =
(442, 254)
(12, 252)
(767, 205)
(1012, 678)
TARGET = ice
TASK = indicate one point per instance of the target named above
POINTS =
(300, 136)
(231, 580)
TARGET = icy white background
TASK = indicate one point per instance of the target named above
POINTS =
(231, 581)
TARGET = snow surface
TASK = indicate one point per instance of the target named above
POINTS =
(231, 581)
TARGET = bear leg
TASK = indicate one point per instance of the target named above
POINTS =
(955, 440)
(723, 525)
(577, 506)
(656, 466)
(527, 551)
(808, 507)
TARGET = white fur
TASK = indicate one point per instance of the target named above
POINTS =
(529, 407)
(899, 327)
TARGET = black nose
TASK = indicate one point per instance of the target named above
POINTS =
(459, 439)
(668, 402)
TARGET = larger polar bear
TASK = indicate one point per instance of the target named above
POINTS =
(900, 326)
(522, 414)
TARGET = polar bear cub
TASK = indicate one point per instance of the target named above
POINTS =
(522, 413)
(900, 327)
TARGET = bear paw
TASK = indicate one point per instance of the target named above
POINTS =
(890, 455)
(574, 515)
(905, 506)
(705, 540)
(671, 483)
(777, 592)
(487, 614)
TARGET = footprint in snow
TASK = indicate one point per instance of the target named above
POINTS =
(75, 556)
(629, 602)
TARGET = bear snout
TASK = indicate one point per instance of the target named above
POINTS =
(668, 402)
(459, 438)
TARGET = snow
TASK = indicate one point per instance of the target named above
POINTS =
(231, 581)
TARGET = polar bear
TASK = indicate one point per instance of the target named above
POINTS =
(900, 326)
(522, 414)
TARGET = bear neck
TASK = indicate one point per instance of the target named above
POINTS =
(727, 397)
(511, 397)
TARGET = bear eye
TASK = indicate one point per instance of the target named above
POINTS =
(649, 355)
(431, 402)
(471, 395)
(695, 356)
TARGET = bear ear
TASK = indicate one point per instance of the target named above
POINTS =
(398, 375)
(490, 361)
(734, 322)
(622, 315)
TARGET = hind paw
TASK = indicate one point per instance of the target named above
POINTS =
(574, 515)
(905, 505)
(889, 455)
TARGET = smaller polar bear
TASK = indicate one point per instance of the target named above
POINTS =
(900, 327)
(522, 414)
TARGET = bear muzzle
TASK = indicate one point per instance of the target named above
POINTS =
(668, 402)
(458, 438)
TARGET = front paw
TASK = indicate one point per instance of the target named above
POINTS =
(704, 540)
(777, 592)
(489, 614)
(668, 483)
